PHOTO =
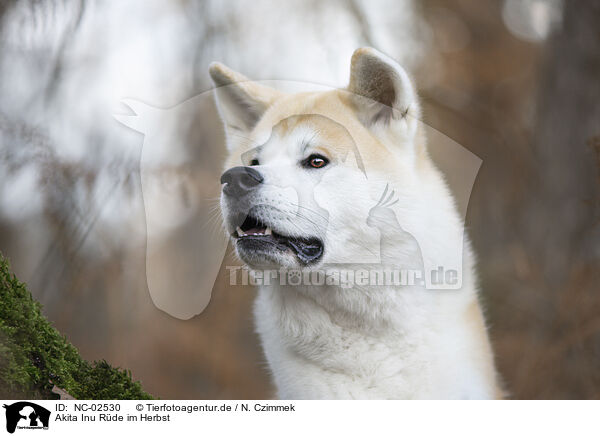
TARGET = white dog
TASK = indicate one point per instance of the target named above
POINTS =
(319, 181)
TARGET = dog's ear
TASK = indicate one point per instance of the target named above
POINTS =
(241, 102)
(382, 91)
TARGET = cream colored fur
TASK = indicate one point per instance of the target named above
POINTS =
(403, 342)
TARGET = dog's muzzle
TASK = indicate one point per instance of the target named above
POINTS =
(255, 238)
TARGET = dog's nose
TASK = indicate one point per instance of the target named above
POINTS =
(240, 180)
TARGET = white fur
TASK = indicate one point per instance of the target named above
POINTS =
(404, 342)
(374, 342)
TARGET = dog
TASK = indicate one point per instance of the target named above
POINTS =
(318, 181)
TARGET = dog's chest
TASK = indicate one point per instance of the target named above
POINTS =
(313, 357)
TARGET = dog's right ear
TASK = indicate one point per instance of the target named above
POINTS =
(241, 102)
(383, 92)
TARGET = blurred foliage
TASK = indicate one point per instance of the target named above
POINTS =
(34, 356)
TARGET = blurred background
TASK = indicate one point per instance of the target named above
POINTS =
(516, 82)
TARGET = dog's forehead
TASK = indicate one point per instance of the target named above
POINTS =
(298, 133)
(320, 119)
(328, 119)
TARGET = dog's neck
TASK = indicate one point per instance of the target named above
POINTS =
(367, 310)
(401, 339)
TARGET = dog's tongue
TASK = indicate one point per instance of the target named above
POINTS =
(306, 250)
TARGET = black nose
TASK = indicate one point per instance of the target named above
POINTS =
(240, 180)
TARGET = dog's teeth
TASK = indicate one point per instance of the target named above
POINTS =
(268, 231)
(240, 232)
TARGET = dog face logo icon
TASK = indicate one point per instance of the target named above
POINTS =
(26, 415)
(185, 241)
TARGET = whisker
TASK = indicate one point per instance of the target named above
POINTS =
(324, 218)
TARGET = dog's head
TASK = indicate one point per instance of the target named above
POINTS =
(304, 170)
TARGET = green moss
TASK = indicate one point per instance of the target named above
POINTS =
(34, 356)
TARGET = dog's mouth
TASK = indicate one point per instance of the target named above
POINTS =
(254, 237)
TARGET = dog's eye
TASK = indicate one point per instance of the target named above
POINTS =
(254, 162)
(315, 161)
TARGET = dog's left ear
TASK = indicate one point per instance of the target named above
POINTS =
(240, 101)
(382, 91)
